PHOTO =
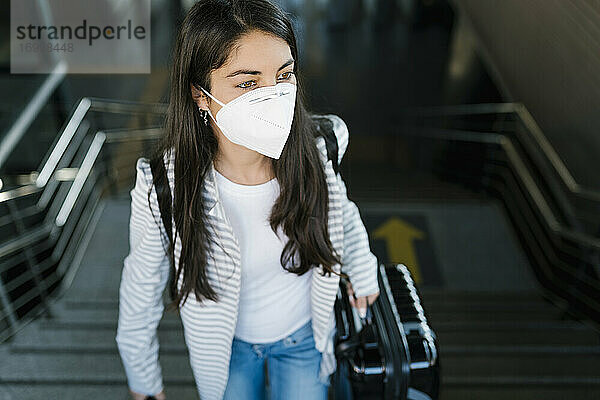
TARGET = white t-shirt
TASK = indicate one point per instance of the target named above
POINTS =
(273, 302)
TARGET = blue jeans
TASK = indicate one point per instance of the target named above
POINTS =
(293, 368)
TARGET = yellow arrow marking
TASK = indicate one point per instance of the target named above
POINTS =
(399, 237)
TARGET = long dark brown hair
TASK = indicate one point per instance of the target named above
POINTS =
(205, 39)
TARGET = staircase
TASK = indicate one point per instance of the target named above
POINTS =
(493, 343)
(70, 352)
(500, 345)
(512, 341)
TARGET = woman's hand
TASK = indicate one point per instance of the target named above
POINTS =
(360, 302)
(139, 396)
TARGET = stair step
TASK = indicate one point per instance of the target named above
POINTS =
(430, 295)
(515, 337)
(76, 303)
(530, 381)
(503, 307)
(82, 348)
(517, 389)
(101, 390)
(515, 333)
(76, 337)
(499, 364)
(60, 312)
(435, 316)
(499, 326)
(105, 324)
(520, 350)
(97, 368)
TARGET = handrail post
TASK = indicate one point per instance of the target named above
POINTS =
(8, 310)
(31, 263)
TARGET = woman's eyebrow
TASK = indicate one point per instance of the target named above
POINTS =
(288, 62)
(251, 72)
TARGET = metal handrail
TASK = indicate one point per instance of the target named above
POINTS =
(85, 105)
(505, 142)
(56, 229)
(21, 191)
(80, 176)
(532, 127)
(97, 144)
(552, 223)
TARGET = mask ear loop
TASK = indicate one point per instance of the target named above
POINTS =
(212, 97)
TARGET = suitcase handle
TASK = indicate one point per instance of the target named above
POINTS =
(355, 339)
(368, 318)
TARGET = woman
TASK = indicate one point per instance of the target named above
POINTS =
(256, 208)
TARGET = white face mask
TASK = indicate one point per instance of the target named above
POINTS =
(261, 119)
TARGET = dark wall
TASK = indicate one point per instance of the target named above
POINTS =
(547, 55)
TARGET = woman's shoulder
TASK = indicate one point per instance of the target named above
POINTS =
(144, 175)
(144, 192)
(143, 164)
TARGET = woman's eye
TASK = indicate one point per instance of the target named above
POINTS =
(248, 84)
(288, 75)
(245, 85)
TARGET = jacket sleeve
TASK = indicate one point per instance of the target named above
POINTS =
(144, 276)
(357, 259)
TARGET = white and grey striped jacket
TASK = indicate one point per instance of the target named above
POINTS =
(209, 327)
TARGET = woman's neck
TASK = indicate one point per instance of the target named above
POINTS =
(245, 170)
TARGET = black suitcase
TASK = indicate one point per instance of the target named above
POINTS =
(393, 352)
